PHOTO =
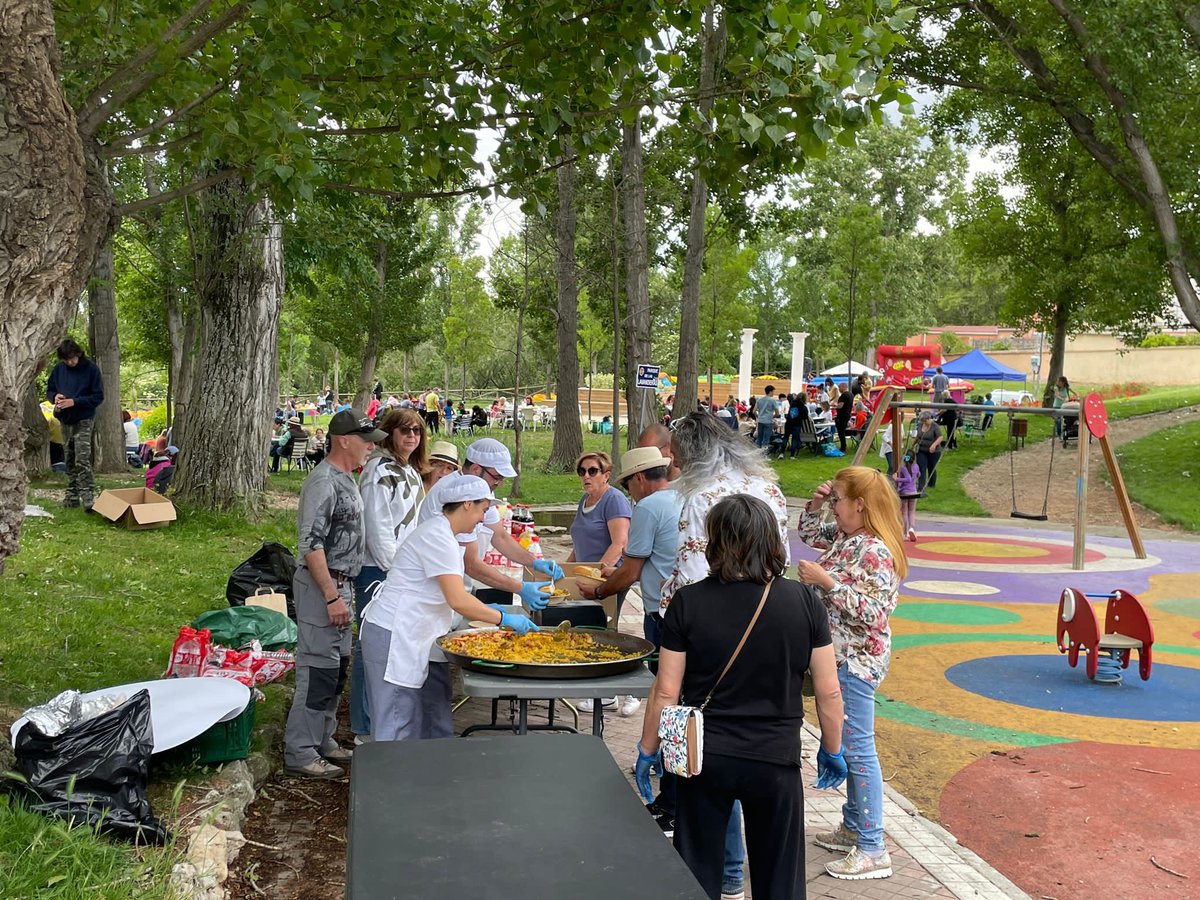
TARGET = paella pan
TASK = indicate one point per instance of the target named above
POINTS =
(577, 653)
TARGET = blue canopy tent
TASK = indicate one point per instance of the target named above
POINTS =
(979, 365)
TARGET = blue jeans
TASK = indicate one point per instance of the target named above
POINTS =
(863, 810)
(765, 430)
(360, 707)
(734, 874)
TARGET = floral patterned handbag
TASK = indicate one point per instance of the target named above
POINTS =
(681, 728)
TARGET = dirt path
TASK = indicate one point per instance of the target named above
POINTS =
(990, 484)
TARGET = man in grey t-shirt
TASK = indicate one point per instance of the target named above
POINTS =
(765, 413)
(941, 386)
(331, 542)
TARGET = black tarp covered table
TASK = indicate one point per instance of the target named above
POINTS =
(494, 817)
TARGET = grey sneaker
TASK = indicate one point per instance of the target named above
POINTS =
(336, 753)
(841, 838)
(858, 866)
(318, 768)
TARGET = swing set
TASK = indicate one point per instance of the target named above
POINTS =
(1093, 415)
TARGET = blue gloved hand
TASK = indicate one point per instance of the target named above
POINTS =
(532, 596)
(647, 763)
(549, 568)
(517, 622)
(831, 770)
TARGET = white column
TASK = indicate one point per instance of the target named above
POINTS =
(798, 339)
(744, 376)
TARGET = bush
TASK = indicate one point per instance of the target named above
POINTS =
(1171, 340)
(1000, 345)
(952, 344)
(154, 423)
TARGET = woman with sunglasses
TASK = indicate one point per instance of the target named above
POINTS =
(600, 532)
(858, 576)
(391, 488)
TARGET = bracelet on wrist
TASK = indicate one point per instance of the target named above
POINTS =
(333, 601)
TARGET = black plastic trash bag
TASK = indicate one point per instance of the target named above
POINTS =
(238, 626)
(271, 566)
(93, 773)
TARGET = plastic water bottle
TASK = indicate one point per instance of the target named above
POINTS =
(535, 548)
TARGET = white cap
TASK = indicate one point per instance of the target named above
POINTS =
(467, 487)
(491, 454)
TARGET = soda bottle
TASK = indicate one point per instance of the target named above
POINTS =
(535, 548)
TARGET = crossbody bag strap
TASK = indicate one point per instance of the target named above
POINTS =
(761, 603)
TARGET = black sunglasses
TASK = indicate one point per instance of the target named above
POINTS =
(590, 470)
(410, 429)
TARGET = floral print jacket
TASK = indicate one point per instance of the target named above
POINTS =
(691, 565)
(862, 598)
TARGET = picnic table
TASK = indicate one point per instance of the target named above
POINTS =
(495, 818)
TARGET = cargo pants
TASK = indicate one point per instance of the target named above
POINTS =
(77, 454)
(322, 664)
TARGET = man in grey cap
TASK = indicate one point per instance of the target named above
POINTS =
(331, 553)
(490, 460)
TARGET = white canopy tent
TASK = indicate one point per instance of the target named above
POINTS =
(856, 368)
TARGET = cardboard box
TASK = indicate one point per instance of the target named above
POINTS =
(139, 508)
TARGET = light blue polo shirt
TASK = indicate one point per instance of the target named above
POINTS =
(654, 536)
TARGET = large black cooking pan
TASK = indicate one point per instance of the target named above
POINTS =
(637, 648)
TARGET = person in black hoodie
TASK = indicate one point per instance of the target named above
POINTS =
(76, 389)
(842, 419)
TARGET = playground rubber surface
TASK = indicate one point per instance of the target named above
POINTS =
(1066, 785)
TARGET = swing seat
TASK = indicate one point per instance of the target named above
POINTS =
(1035, 517)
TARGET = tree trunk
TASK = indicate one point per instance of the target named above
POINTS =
(616, 323)
(370, 354)
(568, 439)
(337, 374)
(228, 428)
(516, 409)
(693, 263)
(37, 435)
(405, 376)
(57, 210)
(1058, 349)
(108, 437)
(637, 284)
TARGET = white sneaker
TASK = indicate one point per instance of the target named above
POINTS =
(912, 535)
(588, 705)
(629, 706)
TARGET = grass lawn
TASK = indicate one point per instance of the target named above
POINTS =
(87, 604)
(1162, 472)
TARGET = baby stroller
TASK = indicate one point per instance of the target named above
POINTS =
(1070, 429)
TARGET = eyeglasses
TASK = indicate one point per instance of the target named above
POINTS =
(593, 471)
(834, 498)
(493, 474)
(411, 429)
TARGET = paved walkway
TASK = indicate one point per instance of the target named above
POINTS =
(926, 859)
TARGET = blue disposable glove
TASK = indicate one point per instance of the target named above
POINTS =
(532, 596)
(517, 622)
(831, 770)
(647, 763)
(549, 568)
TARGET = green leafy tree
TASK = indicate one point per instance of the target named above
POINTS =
(1119, 78)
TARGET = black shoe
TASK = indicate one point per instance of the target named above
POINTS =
(87, 508)
(664, 820)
